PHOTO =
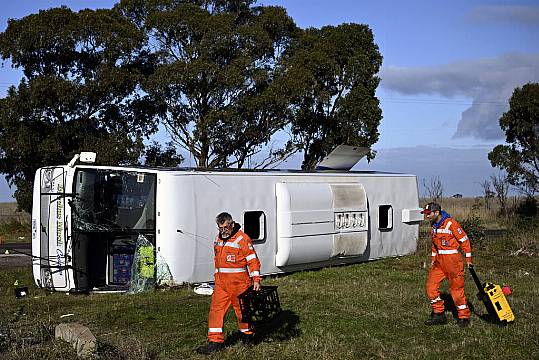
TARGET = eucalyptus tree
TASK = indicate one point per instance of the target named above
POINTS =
(213, 82)
(519, 156)
(80, 91)
(331, 79)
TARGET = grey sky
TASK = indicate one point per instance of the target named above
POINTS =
(487, 82)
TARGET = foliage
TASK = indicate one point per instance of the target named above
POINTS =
(213, 80)
(155, 155)
(520, 157)
(527, 208)
(226, 78)
(330, 76)
(523, 234)
(82, 71)
(473, 226)
(14, 228)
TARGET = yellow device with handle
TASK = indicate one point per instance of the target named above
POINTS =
(494, 299)
(499, 302)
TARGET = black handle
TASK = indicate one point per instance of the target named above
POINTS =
(476, 279)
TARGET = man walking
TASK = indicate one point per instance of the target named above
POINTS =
(446, 262)
(236, 268)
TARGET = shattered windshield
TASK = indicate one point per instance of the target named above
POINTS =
(113, 200)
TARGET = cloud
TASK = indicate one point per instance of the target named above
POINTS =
(508, 14)
(488, 82)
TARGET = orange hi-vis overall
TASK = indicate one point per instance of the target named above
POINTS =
(236, 263)
(447, 236)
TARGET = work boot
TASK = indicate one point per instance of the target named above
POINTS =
(247, 339)
(463, 322)
(436, 319)
(210, 348)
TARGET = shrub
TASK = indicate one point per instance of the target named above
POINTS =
(523, 234)
(527, 208)
(14, 227)
(473, 226)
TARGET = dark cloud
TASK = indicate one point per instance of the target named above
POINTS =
(510, 14)
(488, 82)
(481, 121)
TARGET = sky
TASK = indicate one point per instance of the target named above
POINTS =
(448, 71)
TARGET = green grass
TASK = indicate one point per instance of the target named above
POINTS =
(369, 310)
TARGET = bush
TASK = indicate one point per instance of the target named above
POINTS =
(474, 228)
(527, 208)
(523, 234)
(14, 227)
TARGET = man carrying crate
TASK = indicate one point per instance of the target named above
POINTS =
(236, 268)
(446, 262)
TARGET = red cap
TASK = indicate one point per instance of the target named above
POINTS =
(430, 207)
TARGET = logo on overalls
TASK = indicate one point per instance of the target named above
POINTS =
(445, 243)
(231, 258)
(459, 230)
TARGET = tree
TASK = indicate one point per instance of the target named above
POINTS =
(331, 79)
(501, 185)
(214, 79)
(221, 75)
(487, 193)
(79, 92)
(155, 155)
(520, 156)
(434, 188)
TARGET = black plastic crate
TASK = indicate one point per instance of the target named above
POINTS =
(260, 306)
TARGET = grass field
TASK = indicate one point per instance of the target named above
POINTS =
(373, 310)
(370, 310)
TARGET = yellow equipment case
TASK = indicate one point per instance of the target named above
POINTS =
(494, 300)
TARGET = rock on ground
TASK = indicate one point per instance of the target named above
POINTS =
(79, 336)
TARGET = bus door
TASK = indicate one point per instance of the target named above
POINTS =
(54, 229)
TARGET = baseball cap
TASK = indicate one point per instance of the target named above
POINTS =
(430, 207)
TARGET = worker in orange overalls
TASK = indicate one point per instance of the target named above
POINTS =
(446, 262)
(236, 268)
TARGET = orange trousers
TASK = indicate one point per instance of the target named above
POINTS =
(228, 287)
(451, 267)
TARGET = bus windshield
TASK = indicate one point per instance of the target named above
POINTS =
(114, 200)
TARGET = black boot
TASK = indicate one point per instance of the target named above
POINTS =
(463, 322)
(436, 319)
(210, 348)
(247, 339)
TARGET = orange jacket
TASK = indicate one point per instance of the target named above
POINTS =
(447, 236)
(236, 255)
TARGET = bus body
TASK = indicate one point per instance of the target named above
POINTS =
(86, 219)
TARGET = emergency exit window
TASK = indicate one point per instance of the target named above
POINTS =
(254, 225)
(385, 217)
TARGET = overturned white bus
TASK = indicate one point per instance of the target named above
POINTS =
(86, 219)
